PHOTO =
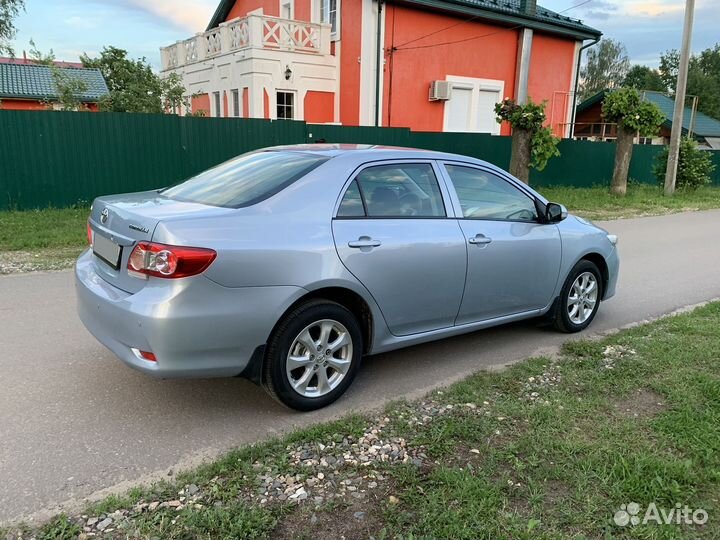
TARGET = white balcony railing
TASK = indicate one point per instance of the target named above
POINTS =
(251, 32)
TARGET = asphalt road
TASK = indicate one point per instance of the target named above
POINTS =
(75, 421)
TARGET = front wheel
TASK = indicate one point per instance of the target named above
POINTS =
(313, 355)
(579, 298)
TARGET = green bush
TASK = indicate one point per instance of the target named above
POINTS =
(694, 166)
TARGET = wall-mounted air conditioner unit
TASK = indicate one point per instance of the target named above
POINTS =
(440, 90)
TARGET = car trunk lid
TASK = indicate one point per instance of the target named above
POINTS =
(119, 222)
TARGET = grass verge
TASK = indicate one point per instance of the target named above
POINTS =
(549, 448)
(49, 239)
(641, 200)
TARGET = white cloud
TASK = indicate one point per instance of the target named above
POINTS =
(648, 28)
(190, 15)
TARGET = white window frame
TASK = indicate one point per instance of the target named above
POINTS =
(294, 103)
(477, 85)
(236, 105)
(323, 16)
(217, 104)
(291, 3)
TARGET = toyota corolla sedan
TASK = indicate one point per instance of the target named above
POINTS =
(288, 265)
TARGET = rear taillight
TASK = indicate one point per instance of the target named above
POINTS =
(171, 262)
(90, 234)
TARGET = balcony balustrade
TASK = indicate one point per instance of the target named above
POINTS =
(251, 32)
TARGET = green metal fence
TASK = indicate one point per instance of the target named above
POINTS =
(62, 158)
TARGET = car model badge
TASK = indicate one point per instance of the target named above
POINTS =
(104, 216)
(139, 228)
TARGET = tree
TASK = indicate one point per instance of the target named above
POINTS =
(69, 89)
(644, 78)
(39, 57)
(605, 68)
(532, 144)
(133, 85)
(9, 9)
(703, 77)
(632, 115)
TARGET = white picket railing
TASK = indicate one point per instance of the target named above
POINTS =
(251, 32)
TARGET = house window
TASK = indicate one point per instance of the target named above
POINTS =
(471, 107)
(329, 14)
(287, 9)
(236, 103)
(286, 105)
(216, 101)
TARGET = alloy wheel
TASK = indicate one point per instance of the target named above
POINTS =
(582, 298)
(319, 358)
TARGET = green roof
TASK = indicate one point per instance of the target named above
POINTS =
(32, 81)
(703, 125)
(503, 11)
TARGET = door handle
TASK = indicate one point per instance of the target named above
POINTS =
(480, 239)
(364, 242)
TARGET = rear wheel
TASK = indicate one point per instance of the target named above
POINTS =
(313, 355)
(579, 298)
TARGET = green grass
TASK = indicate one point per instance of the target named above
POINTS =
(40, 229)
(547, 449)
(641, 200)
(49, 239)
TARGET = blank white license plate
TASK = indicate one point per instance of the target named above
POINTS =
(107, 250)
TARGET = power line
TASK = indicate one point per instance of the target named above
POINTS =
(404, 48)
(437, 31)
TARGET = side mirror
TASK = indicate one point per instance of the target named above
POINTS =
(555, 212)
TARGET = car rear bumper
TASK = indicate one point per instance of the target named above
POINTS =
(194, 327)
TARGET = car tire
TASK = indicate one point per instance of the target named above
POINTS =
(305, 379)
(579, 298)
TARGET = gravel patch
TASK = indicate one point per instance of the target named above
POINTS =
(14, 262)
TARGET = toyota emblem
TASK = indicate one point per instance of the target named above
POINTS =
(104, 216)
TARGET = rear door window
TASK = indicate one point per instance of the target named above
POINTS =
(245, 180)
(352, 203)
(405, 190)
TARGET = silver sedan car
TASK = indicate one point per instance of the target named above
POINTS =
(288, 265)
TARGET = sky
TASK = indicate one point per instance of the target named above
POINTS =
(71, 27)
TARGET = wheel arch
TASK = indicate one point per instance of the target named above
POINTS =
(598, 260)
(346, 297)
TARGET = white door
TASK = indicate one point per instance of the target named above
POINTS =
(458, 112)
(486, 122)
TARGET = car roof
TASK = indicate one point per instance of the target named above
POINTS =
(370, 151)
(364, 153)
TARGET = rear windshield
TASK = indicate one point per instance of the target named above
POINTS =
(245, 180)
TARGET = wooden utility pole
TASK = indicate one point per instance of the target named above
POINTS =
(674, 151)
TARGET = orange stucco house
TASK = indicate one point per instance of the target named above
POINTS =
(443, 63)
